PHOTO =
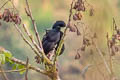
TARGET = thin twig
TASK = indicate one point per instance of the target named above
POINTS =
(99, 52)
(9, 71)
(104, 60)
(30, 66)
(2, 71)
(40, 48)
(4, 4)
(110, 57)
(20, 32)
(27, 68)
(97, 66)
(13, 5)
(69, 19)
(34, 25)
(31, 38)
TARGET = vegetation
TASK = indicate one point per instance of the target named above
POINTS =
(89, 55)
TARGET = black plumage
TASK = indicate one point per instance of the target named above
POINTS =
(52, 37)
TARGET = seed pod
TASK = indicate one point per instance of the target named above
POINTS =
(5, 18)
(116, 48)
(0, 16)
(6, 13)
(81, 7)
(112, 51)
(86, 42)
(91, 12)
(95, 35)
(71, 27)
(118, 31)
(0, 24)
(76, 5)
(77, 16)
(13, 18)
(17, 19)
(10, 17)
(78, 32)
(77, 56)
(83, 48)
(117, 37)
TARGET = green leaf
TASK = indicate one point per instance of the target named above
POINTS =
(21, 66)
(2, 59)
(15, 66)
(8, 60)
(7, 54)
(21, 72)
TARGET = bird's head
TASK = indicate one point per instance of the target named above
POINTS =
(58, 25)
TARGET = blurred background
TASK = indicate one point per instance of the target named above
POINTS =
(46, 12)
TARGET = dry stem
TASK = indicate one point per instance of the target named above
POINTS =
(104, 60)
(3, 73)
(30, 66)
(34, 24)
(20, 32)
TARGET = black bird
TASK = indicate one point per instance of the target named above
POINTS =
(52, 37)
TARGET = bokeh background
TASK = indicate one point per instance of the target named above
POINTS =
(46, 12)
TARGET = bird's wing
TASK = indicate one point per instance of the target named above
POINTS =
(50, 40)
(44, 37)
(52, 36)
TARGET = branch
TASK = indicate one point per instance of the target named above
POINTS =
(2, 71)
(28, 11)
(30, 66)
(104, 60)
(13, 5)
(31, 38)
(62, 40)
(39, 48)
(97, 66)
(4, 4)
(27, 68)
(9, 71)
(20, 32)
(69, 19)
(110, 56)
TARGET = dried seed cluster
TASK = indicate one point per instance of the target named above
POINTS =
(78, 7)
(113, 44)
(87, 42)
(9, 16)
(77, 16)
(114, 41)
